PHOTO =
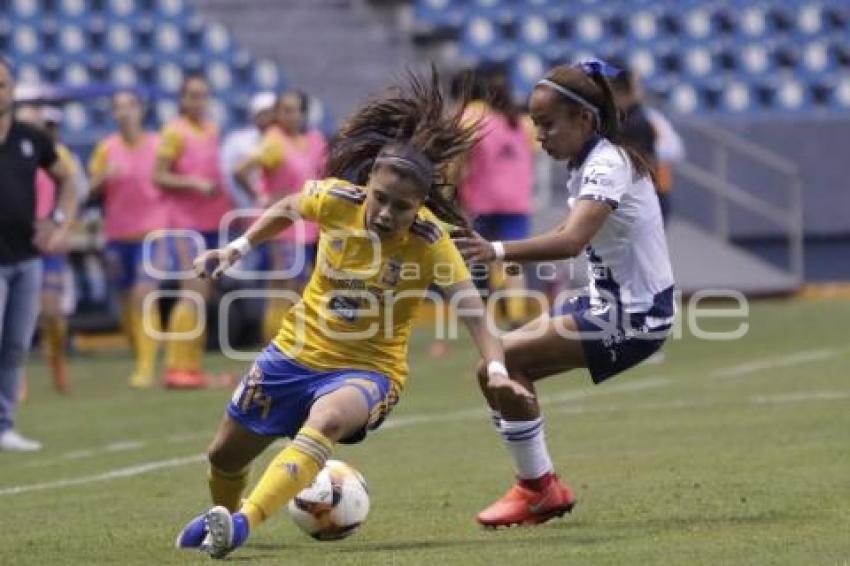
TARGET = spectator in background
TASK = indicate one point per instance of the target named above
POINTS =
(239, 144)
(285, 158)
(23, 151)
(648, 131)
(188, 170)
(669, 149)
(121, 170)
(497, 181)
(56, 294)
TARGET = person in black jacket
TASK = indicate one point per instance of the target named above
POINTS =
(23, 150)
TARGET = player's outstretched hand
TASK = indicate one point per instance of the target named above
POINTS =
(214, 263)
(472, 246)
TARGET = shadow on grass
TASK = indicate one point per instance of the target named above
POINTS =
(512, 538)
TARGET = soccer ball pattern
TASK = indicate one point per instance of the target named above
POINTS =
(334, 506)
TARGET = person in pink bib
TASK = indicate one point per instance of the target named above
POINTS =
(121, 170)
(498, 178)
(188, 171)
(286, 157)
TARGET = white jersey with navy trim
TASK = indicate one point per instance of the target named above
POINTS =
(628, 261)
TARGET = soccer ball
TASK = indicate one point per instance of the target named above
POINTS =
(334, 505)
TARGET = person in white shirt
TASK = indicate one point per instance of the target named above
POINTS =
(628, 309)
(237, 145)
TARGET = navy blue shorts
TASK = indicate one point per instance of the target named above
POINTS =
(609, 346)
(184, 248)
(53, 268)
(275, 396)
(277, 255)
(503, 226)
(129, 262)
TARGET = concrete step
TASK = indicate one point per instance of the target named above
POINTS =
(702, 261)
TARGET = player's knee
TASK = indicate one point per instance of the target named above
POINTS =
(330, 421)
(221, 457)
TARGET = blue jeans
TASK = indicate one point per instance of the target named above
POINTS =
(20, 285)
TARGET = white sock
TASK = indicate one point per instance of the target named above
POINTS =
(527, 444)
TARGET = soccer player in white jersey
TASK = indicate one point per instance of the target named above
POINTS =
(628, 309)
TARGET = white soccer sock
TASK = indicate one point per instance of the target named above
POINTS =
(527, 444)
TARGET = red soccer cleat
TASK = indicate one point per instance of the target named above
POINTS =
(185, 379)
(530, 502)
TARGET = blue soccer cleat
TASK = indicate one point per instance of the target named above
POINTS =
(193, 534)
(226, 532)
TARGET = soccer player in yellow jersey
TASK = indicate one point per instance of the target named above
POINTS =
(338, 364)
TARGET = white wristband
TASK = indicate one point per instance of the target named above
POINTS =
(241, 245)
(498, 249)
(497, 369)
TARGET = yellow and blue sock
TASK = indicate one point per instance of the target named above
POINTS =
(292, 470)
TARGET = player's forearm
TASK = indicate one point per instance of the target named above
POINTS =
(67, 201)
(273, 221)
(489, 345)
(173, 182)
(471, 310)
(549, 247)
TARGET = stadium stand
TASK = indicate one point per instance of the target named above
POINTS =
(770, 56)
(149, 44)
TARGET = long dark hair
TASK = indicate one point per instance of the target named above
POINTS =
(414, 114)
(593, 87)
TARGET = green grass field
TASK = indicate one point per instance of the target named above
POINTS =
(726, 453)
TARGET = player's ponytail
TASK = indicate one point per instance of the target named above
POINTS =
(411, 123)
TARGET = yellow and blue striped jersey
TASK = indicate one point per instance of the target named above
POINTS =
(359, 306)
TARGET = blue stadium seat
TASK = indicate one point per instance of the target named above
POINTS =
(171, 9)
(25, 10)
(535, 30)
(841, 94)
(736, 97)
(25, 41)
(527, 68)
(752, 22)
(698, 22)
(642, 62)
(791, 94)
(480, 34)
(644, 26)
(169, 76)
(167, 38)
(435, 14)
(684, 98)
(122, 8)
(219, 75)
(120, 40)
(76, 117)
(99, 68)
(75, 74)
(28, 74)
(266, 75)
(165, 110)
(124, 75)
(755, 58)
(588, 28)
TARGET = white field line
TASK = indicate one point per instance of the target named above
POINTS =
(106, 476)
(119, 446)
(148, 467)
(804, 357)
(468, 414)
